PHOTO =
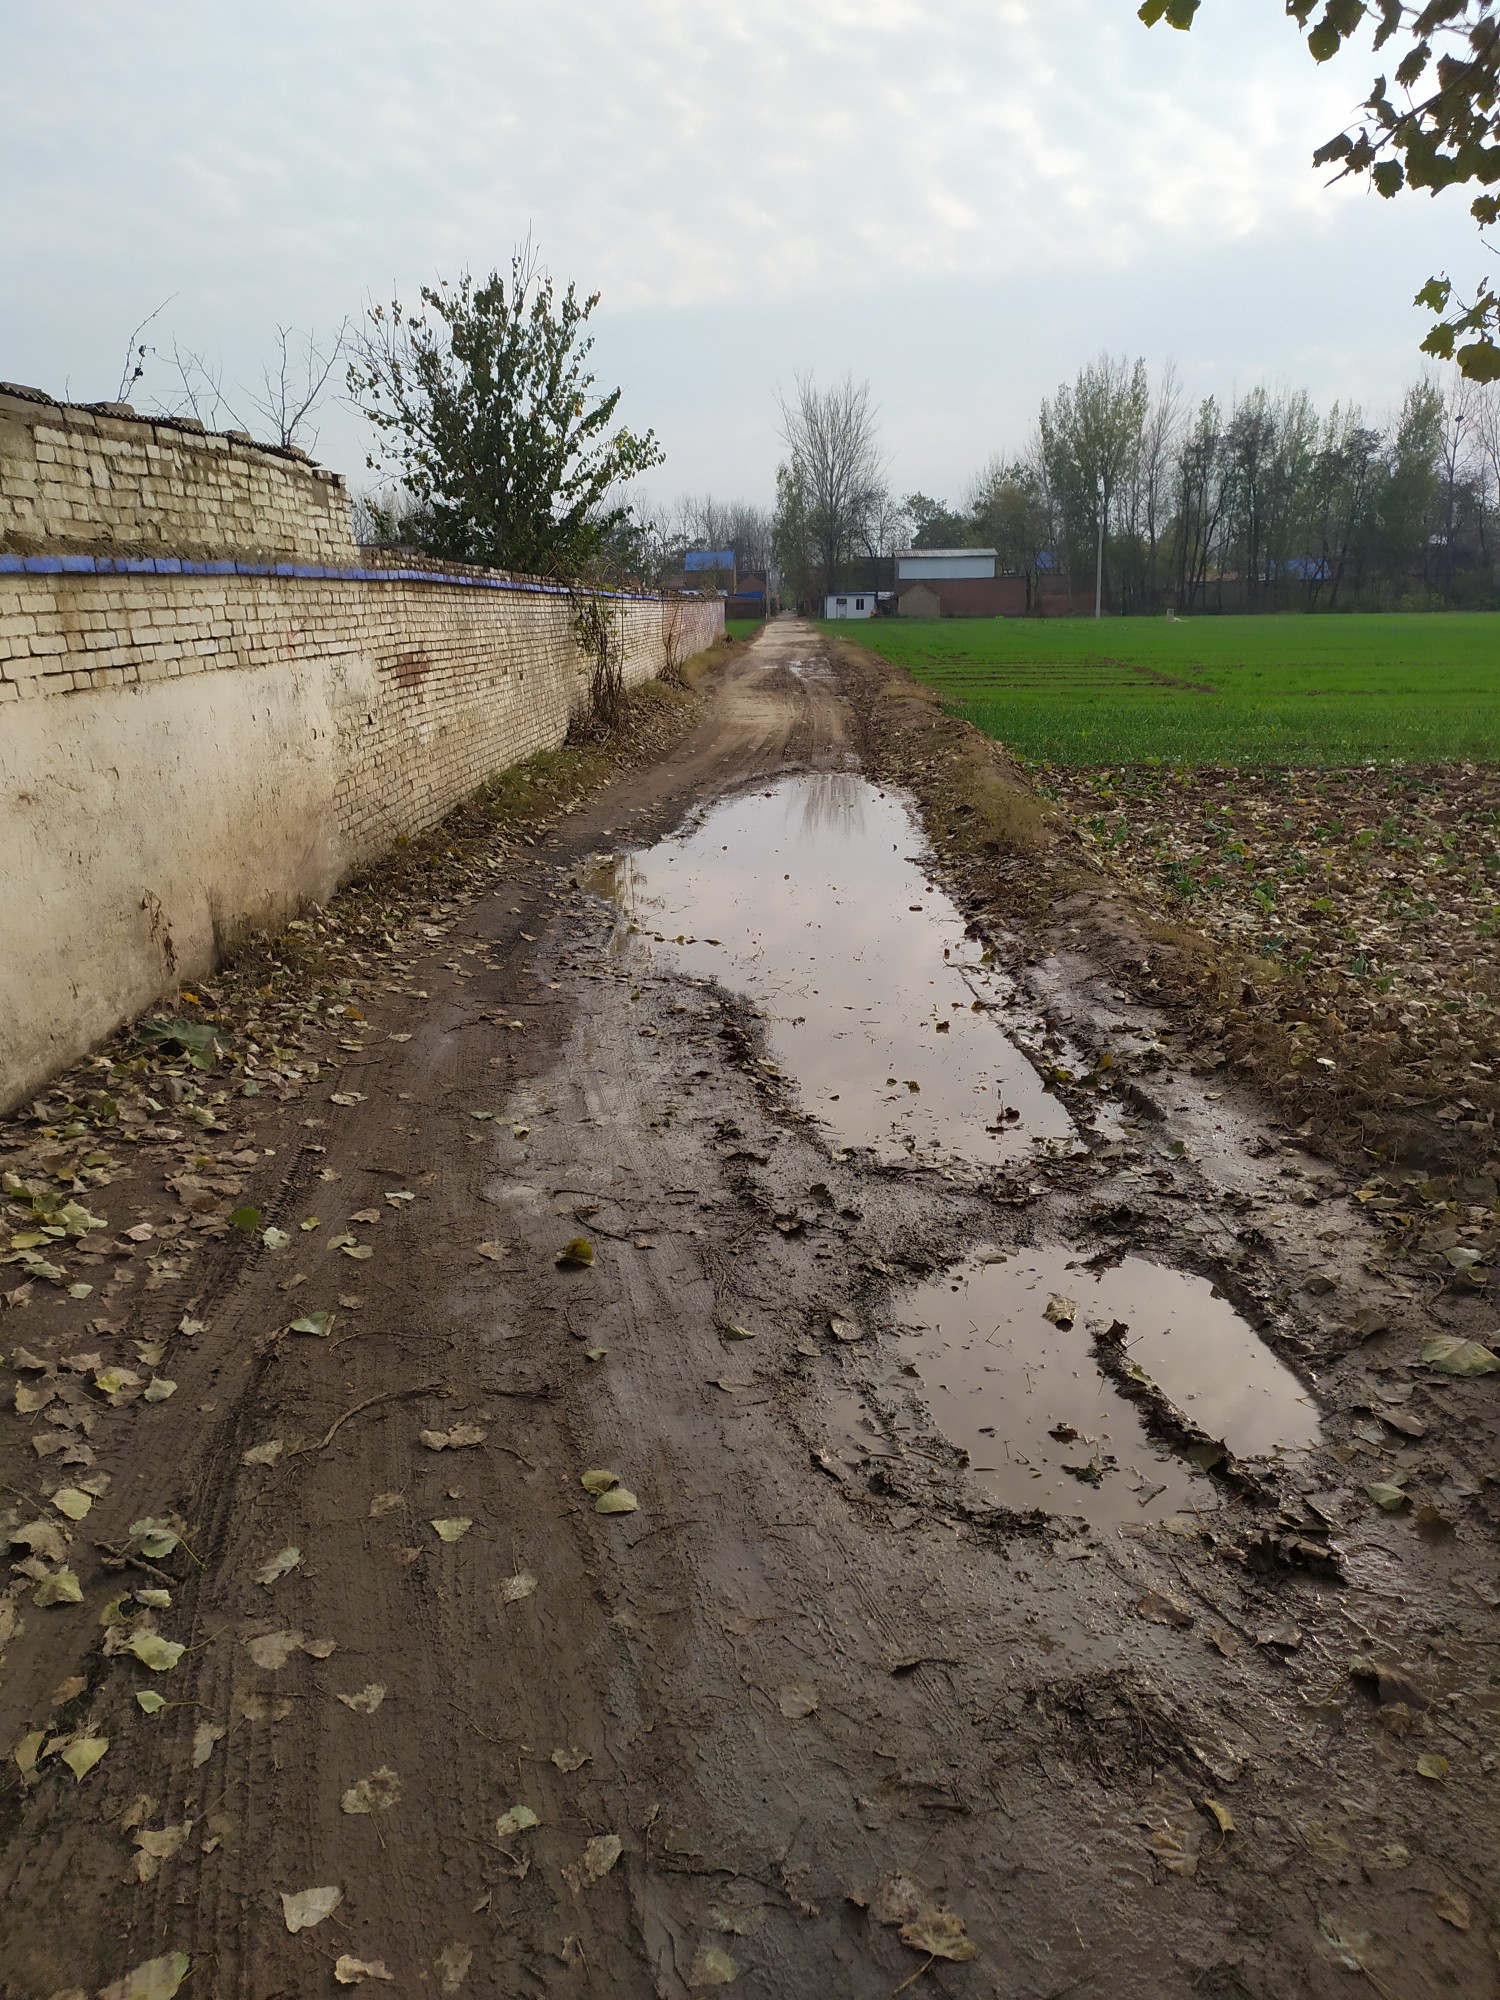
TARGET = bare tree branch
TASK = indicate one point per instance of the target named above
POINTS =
(136, 352)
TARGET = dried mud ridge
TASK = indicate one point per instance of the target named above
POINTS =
(817, 1715)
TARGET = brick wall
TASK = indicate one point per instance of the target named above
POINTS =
(102, 478)
(199, 741)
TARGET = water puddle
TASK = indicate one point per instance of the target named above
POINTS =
(810, 898)
(1041, 1422)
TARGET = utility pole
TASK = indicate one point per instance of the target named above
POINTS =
(1099, 562)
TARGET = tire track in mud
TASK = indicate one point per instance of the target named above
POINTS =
(1044, 1766)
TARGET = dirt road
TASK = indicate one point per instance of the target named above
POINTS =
(937, 1625)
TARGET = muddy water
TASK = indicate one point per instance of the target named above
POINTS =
(1008, 1384)
(810, 898)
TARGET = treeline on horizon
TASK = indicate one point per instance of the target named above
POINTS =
(1264, 503)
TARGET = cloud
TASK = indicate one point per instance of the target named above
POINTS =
(1036, 157)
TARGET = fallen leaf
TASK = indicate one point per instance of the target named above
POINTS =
(309, 1907)
(600, 1855)
(205, 1736)
(1388, 1496)
(272, 1650)
(618, 1500)
(275, 1239)
(1432, 1766)
(44, 1538)
(62, 1587)
(571, 1760)
(152, 1849)
(1451, 1355)
(279, 1566)
(70, 1501)
(358, 1251)
(384, 1503)
(514, 1588)
(493, 1250)
(153, 1539)
(319, 1649)
(83, 1753)
(796, 1699)
(157, 1979)
(845, 1329)
(369, 1698)
(347, 1097)
(149, 1701)
(517, 1820)
(1222, 1816)
(264, 1708)
(453, 1529)
(599, 1481)
(349, 1971)
(458, 1439)
(159, 1654)
(734, 1332)
(1162, 1608)
(263, 1454)
(1454, 1908)
(576, 1255)
(319, 1324)
(158, 1390)
(27, 1751)
(941, 1935)
(712, 1966)
(377, 1793)
(113, 1383)
(452, 1966)
(68, 1690)
(1061, 1311)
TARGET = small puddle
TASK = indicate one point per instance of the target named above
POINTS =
(1009, 1386)
(810, 898)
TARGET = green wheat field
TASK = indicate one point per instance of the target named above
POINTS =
(1326, 691)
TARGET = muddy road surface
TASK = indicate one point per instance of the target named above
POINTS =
(712, 1469)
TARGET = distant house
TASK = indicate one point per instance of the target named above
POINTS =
(849, 604)
(750, 599)
(943, 565)
(962, 583)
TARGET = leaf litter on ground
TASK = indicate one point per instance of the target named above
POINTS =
(366, 1701)
(375, 1794)
(157, 1979)
(925, 1924)
(309, 1906)
(279, 1566)
(350, 1971)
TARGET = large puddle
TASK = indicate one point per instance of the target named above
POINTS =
(1044, 1427)
(810, 898)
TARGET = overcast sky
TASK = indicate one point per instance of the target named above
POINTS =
(962, 201)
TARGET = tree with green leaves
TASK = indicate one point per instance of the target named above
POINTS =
(1435, 123)
(1091, 433)
(485, 407)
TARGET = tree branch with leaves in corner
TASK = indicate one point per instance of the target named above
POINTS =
(1433, 123)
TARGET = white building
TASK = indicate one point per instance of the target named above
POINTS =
(941, 565)
(849, 604)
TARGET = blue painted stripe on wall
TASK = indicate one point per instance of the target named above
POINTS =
(71, 565)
